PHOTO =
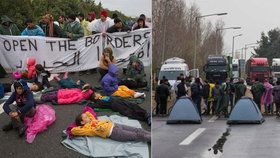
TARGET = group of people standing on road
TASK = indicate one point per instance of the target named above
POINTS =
(217, 97)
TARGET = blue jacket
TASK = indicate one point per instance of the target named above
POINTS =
(24, 101)
(37, 31)
(109, 82)
(1, 91)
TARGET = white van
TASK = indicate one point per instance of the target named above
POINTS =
(172, 68)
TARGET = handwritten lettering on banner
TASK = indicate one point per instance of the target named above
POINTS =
(61, 55)
(126, 44)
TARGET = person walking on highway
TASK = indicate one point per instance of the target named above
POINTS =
(223, 100)
(276, 97)
(215, 94)
(196, 89)
(210, 97)
(182, 89)
(162, 93)
(267, 97)
(240, 90)
(257, 91)
(231, 91)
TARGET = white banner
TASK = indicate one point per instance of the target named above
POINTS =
(61, 55)
(137, 42)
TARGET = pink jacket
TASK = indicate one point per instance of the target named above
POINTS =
(31, 62)
(267, 97)
(73, 95)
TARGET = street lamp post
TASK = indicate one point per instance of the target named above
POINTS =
(226, 28)
(195, 36)
(233, 44)
(248, 47)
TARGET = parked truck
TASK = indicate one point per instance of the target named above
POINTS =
(216, 68)
(275, 71)
(257, 68)
(172, 68)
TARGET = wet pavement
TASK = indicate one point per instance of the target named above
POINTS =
(214, 138)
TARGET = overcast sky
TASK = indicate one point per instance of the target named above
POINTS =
(254, 16)
(129, 7)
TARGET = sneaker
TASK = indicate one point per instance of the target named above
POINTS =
(7, 127)
(137, 95)
(21, 130)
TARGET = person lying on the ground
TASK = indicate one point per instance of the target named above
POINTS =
(41, 76)
(67, 82)
(67, 96)
(88, 125)
(135, 74)
(25, 106)
(122, 106)
(110, 86)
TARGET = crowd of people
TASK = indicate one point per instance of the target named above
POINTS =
(32, 86)
(218, 98)
(72, 26)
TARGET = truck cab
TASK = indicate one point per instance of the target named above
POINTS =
(216, 68)
(257, 68)
(275, 71)
(172, 68)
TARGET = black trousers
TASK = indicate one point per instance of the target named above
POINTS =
(102, 73)
(163, 105)
(124, 107)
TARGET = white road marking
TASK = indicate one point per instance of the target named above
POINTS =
(1, 108)
(213, 119)
(191, 137)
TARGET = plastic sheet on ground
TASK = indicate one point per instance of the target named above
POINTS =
(44, 117)
(99, 147)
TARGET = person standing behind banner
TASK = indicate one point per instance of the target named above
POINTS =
(140, 24)
(73, 29)
(8, 27)
(162, 93)
(142, 16)
(118, 27)
(257, 91)
(61, 21)
(51, 29)
(102, 24)
(106, 57)
(92, 20)
(32, 29)
(84, 23)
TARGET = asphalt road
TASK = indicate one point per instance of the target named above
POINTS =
(195, 140)
(47, 144)
(244, 141)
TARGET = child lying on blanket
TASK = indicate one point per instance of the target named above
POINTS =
(122, 106)
(68, 82)
(67, 96)
(110, 86)
(89, 126)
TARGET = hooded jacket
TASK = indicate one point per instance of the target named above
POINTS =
(137, 72)
(109, 82)
(75, 28)
(24, 101)
(36, 31)
(10, 30)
